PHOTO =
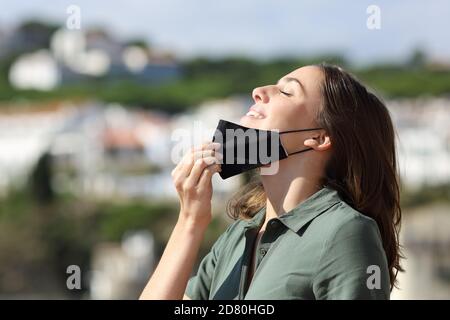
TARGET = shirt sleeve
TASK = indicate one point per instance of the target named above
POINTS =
(199, 286)
(353, 264)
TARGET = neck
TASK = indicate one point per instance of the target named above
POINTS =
(296, 180)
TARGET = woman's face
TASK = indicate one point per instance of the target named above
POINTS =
(290, 104)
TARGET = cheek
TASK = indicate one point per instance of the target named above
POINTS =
(287, 114)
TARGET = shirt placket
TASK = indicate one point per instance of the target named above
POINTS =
(273, 230)
(250, 236)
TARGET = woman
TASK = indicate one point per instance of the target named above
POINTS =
(324, 226)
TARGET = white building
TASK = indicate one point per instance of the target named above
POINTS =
(38, 71)
(423, 140)
(24, 137)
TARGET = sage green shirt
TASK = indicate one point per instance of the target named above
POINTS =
(321, 249)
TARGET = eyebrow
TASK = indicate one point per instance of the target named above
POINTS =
(289, 79)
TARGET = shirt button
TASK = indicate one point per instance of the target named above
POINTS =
(273, 223)
(263, 252)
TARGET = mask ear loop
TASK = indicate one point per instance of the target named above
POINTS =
(299, 130)
(300, 151)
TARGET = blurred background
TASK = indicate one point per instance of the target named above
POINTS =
(91, 94)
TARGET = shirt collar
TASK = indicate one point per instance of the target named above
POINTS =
(303, 213)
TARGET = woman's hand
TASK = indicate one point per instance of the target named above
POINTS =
(192, 179)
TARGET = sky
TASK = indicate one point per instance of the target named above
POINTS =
(260, 28)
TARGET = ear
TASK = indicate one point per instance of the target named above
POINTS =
(320, 142)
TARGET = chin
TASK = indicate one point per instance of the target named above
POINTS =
(251, 122)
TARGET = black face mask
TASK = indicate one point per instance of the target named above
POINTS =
(245, 148)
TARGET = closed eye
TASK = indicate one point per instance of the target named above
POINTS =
(285, 93)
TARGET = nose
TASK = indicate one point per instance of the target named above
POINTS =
(260, 95)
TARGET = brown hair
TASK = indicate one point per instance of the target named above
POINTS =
(363, 164)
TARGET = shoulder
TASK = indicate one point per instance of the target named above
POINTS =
(342, 222)
(348, 236)
(351, 246)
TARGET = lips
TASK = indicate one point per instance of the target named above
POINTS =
(256, 113)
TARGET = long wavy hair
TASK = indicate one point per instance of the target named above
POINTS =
(363, 165)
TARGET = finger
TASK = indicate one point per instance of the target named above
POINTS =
(187, 162)
(207, 153)
(198, 168)
(205, 179)
(180, 164)
(208, 146)
(203, 153)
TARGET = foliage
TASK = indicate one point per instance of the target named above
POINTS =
(204, 79)
(45, 238)
(425, 195)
